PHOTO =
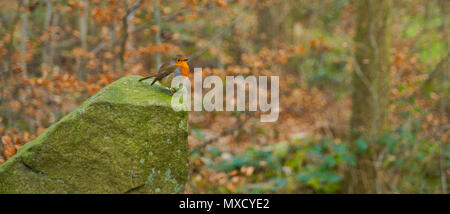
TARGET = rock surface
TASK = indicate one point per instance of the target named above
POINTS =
(124, 139)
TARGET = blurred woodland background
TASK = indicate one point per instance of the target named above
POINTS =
(364, 84)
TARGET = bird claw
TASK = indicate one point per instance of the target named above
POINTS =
(172, 91)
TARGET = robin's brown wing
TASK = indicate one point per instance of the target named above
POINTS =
(164, 70)
(165, 67)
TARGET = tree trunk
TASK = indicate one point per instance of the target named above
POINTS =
(125, 22)
(52, 47)
(131, 43)
(370, 93)
(444, 104)
(83, 37)
(24, 38)
(47, 24)
(271, 23)
(158, 33)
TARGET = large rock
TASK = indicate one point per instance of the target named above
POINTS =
(124, 139)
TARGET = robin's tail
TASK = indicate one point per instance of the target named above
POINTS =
(156, 79)
(147, 77)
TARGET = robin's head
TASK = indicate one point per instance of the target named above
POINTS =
(181, 62)
(180, 59)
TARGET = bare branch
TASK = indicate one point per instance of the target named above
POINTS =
(133, 7)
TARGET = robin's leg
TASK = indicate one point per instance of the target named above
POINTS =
(174, 90)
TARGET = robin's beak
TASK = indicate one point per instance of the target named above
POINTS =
(187, 59)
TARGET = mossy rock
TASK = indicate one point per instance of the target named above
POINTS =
(124, 139)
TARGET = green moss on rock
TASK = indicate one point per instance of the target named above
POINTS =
(115, 142)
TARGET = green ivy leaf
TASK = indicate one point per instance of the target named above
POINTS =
(362, 145)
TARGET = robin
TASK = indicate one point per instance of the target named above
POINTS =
(167, 71)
